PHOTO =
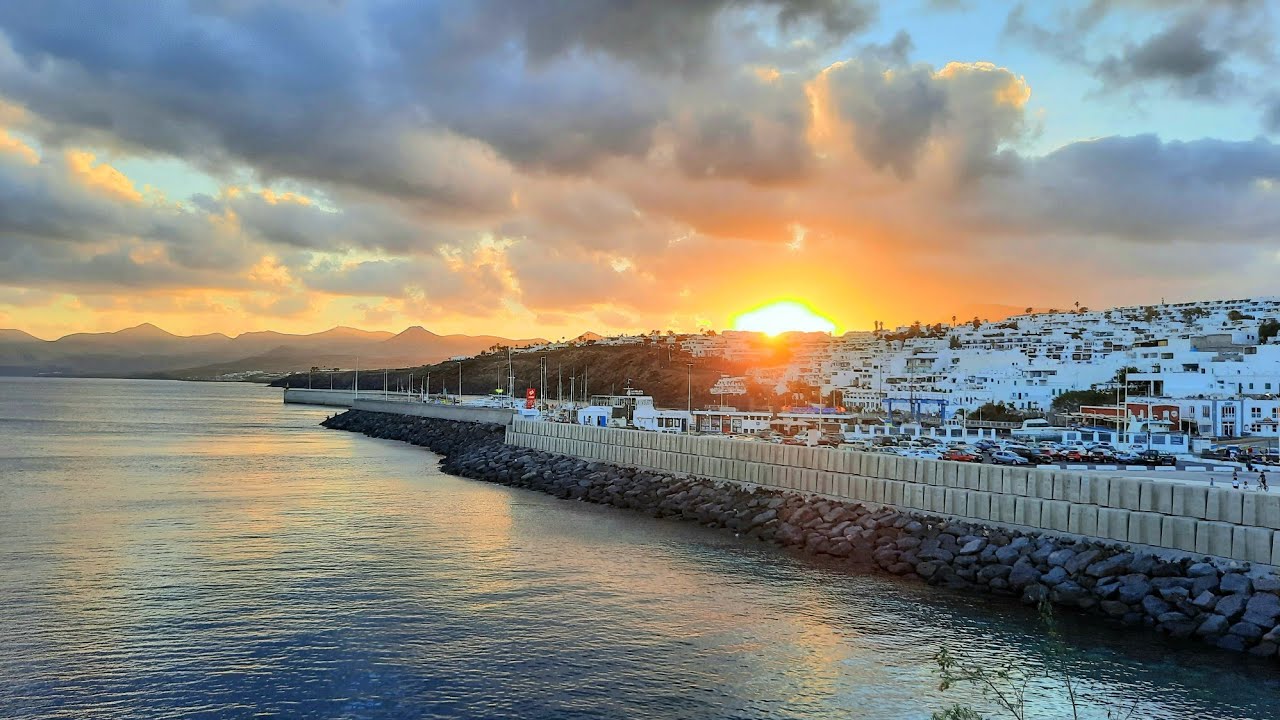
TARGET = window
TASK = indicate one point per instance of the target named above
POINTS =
(1204, 411)
(1255, 413)
(1228, 411)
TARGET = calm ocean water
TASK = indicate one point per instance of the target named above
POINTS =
(200, 550)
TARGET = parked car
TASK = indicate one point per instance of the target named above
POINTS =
(831, 439)
(1024, 452)
(1128, 458)
(1004, 457)
(961, 455)
(1072, 455)
(1155, 457)
(986, 445)
(1046, 456)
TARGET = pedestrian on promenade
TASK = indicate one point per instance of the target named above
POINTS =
(1235, 479)
(1262, 480)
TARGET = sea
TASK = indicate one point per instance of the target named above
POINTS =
(201, 550)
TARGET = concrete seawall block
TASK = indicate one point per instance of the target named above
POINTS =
(1179, 533)
(1267, 512)
(791, 455)
(922, 471)
(1126, 493)
(1083, 519)
(1251, 543)
(897, 492)
(873, 465)
(1113, 523)
(1226, 505)
(1028, 510)
(1015, 481)
(1190, 501)
(844, 486)
(1156, 496)
(935, 498)
(1040, 484)
(856, 462)
(891, 467)
(858, 488)
(1213, 538)
(1008, 505)
(1260, 509)
(1095, 489)
(1025, 474)
(913, 496)
(971, 476)
(811, 480)
(1144, 528)
(991, 479)
(1066, 486)
(767, 474)
(775, 454)
(1055, 515)
(979, 504)
(951, 475)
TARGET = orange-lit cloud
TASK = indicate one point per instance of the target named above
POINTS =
(593, 172)
(100, 176)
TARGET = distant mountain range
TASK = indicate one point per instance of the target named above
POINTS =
(146, 350)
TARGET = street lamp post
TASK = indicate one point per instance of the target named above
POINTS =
(689, 390)
(459, 382)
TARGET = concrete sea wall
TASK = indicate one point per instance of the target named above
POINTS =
(1227, 604)
(1184, 517)
(331, 398)
(376, 402)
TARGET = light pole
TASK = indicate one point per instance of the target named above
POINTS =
(688, 406)
(459, 382)
(426, 388)
(542, 375)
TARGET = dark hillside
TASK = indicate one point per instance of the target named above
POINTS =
(656, 369)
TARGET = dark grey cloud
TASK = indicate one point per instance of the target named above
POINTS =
(1271, 115)
(1180, 54)
(1198, 50)
(1146, 190)
(339, 92)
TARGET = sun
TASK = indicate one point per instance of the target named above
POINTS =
(783, 316)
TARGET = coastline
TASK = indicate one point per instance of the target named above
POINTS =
(1220, 604)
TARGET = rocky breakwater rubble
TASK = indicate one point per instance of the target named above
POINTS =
(1224, 604)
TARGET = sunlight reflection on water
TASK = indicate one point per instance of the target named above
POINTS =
(187, 550)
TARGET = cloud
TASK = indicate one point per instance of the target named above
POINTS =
(568, 163)
(1198, 50)
(1271, 115)
(1179, 54)
(1145, 190)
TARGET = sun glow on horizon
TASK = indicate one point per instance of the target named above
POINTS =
(783, 316)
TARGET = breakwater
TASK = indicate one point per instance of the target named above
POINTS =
(1148, 513)
(1221, 603)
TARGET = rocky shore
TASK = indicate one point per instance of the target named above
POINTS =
(1224, 604)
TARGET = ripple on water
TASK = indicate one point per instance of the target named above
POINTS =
(187, 550)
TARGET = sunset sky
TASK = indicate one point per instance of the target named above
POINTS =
(545, 168)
